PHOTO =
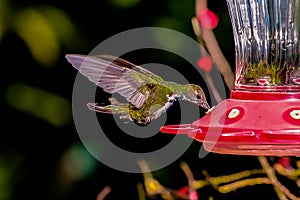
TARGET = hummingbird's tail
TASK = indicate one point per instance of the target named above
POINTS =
(121, 109)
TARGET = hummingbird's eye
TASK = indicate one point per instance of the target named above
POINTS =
(198, 96)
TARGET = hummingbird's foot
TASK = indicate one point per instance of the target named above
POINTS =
(146, 121)
(143, 121)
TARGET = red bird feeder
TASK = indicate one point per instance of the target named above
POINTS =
(262, 115)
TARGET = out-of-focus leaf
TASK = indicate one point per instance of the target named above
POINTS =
(5, 190)
(8, 167)
(171, 23)
(76, 164)
(4, 11)
(167, 41)
(62, 26)
(39, 36)
(50, 107)
(124, 3)
(181, 9)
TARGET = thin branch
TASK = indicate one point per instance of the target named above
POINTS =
(243, 183)
(188, 172)
(280, 189)
(106, 190)
(207, 37)
(213, 88)
(194, 184)
(233, 177)
(197, 31)
(289, 173)
(141, 191)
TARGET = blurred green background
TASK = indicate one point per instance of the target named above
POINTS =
(41, 155)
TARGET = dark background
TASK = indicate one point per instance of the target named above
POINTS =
(41, 155)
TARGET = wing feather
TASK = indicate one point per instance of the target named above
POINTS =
(115, 75)
(127, 64)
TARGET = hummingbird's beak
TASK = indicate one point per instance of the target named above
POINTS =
(205, 105)
(202, 104)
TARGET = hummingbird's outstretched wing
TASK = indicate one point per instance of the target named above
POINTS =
(115, 75)
(121, 62)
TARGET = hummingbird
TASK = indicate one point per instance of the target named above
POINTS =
(148, 95)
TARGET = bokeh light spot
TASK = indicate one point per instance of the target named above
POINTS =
(76, 164)
(205, 63)
(4, 11)
(39, 36)
(169, 41)
(207, 18)
(124, 3)
(50, 107)
(62, 25)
